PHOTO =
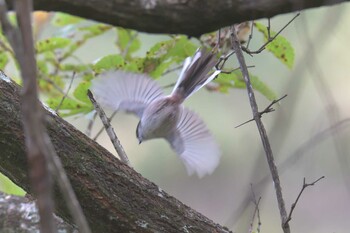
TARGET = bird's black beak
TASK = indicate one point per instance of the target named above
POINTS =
(140, 141)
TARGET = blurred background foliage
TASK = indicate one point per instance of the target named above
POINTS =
(309, 62)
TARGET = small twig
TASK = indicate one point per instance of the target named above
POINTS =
(269, 28)
(263, 135)
(233, 70)
(218, 41)
(266, 110)
(102, 128)
(53, 84)
(269, 39)
(305, 185)
(115, 141)
(221, 62)
(6, 48)
(172, 70)
(256, 212)
(65, 94)
(250, 35)
(127, 47)
(91, 123)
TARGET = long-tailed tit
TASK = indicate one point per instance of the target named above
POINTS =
(164, 116)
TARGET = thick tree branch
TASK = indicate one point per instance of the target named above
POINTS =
(19, 214)
(113, 196)
(190, 17)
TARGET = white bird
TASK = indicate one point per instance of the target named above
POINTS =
(164, 116)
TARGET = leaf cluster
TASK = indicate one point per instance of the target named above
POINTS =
(58, 63)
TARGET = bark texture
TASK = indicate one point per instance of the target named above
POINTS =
(19, 215)
(113, 196)
(190, 17)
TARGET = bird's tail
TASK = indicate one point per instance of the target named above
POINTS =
(194, 74)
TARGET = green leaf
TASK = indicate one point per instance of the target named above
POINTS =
(69, 106)
(42, 66)
(51, 44)
(135, 65)
(235, 80)
(74, 67)
(127, 39)
(227, 81)
(160, 69)
(80, 92)
(261, 87)
(163, 54)
(280, 47)
(62, 19)
(50, 84)
(108, 62)
(7, 186)
(3, 60)
(94, 30)
(88, 32)
(177, 48)
(12, 18)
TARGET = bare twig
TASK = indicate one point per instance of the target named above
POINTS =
(263, 135)
(305, 185)
(172, 69)
(269, 39)
(266, 110)
(41, 153)
(21, 40)
(53, 84)
(233, 70)
(250, 35)
(256, 212)
(101, 130)
(65, 94)
(221, 62)
(127, 47)
(6, 48)
(91, 123)
(116, 143)
(279, 133)
(218, 40)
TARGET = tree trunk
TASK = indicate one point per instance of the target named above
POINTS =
(114, 197)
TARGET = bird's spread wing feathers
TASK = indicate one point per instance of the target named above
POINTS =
(194, 144)
(129, 92)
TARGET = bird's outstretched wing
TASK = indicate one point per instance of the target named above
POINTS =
(125, 91)
(194, 144)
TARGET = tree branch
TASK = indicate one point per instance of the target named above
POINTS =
(305, 185)
(113, 196)
(190, 17)
(21, 40)
(19, 214)
(263, 135)
(110, 131)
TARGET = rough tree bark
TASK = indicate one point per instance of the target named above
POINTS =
(113, 196)
(190, 17)
(19, 214)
